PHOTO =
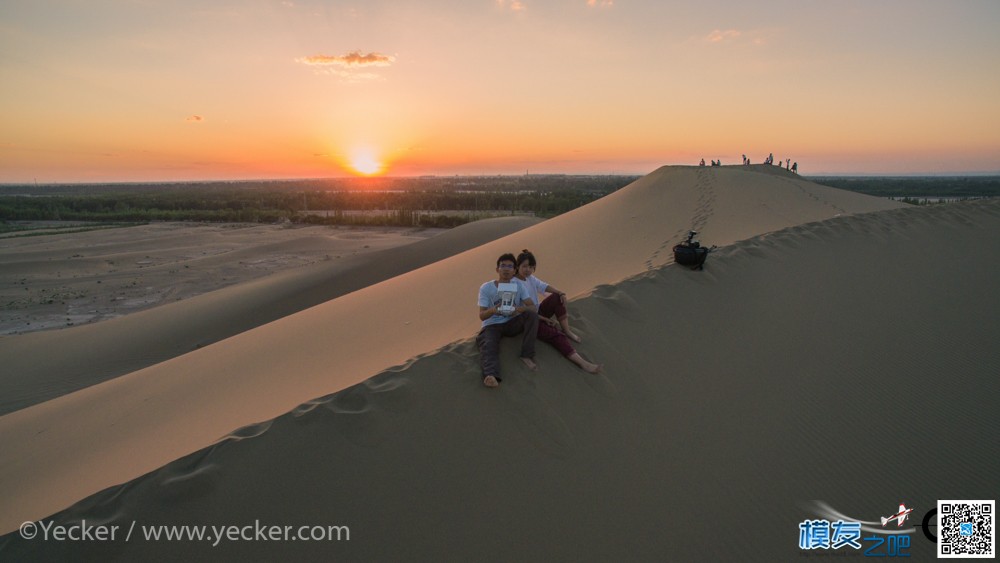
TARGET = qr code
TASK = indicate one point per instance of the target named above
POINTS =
(966, 529)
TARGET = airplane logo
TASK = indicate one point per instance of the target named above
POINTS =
(899, 516)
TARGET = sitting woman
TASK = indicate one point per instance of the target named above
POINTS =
(552, 306)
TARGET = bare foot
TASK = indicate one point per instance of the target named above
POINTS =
(586, 366)
(490, 381)
(530, 363)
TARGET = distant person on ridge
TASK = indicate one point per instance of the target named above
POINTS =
(552, 306)
(795, 167)
(498, 322)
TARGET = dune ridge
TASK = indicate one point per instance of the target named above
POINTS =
(800, 365)
(72, 446)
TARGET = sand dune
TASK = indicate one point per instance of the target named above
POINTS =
(838, 360)
(62, 450)
(90, 354)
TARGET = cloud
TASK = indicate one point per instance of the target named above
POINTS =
(593, 3)
(350, 67)
(354, 59)
(194, 119)
(718, 35)
(512, 5)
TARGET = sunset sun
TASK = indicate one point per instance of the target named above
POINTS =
(365, 162)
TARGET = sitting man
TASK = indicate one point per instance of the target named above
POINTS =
(505, 319)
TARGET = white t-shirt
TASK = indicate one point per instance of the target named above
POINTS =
(489, 296)
(536, 288)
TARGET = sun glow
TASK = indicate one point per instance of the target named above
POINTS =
(365, 162)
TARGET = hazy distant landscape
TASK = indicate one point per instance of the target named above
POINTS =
(917, 189)
(423, 202)
(440, 202)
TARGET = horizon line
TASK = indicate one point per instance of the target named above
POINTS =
(825, 174)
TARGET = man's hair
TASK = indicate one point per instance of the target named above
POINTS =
(526, 255)
(507, 256)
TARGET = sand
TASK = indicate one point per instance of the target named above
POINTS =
(243, 277)
(65, 280)
(837, 347)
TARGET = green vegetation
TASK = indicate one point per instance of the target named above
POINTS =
(428, 202)
(425, 202)
(919, 190)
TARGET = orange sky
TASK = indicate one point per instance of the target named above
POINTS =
(148, 91)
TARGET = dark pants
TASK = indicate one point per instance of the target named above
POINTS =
(553, 306)
(555, 337)
(489, 337)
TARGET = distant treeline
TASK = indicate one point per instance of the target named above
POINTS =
(914, 189)
(399, 200)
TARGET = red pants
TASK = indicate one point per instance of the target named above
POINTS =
(552, 305)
